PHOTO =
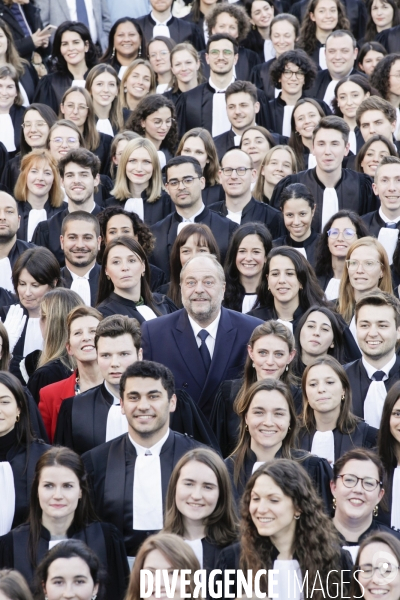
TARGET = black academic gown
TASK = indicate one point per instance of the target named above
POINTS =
(246, 62)
(117, 305)
(93, 281)
(321, 83)
(166, 230)
(266, 314)
(18, 352)
(390, 39)
(111, 468)
(23, 461)
(360, 382)
(24, 208)
(16, 114)
(19, 248)
(375, 527)
(309, 245)
(180, 31)
(226, 141)
(255, 211)
(103, 151)
(103, 538)
(364, 436)
(385, 516)
(276, 113)
(195, 109)
(225, 422)
(38, 428)
(10, 172)
(375, 223)
(212, 194)
(260, 76)
(7, 298)
(318, 468)
(152, 211)
(354, 191)
(47, 233)
(51, 89)
(49, 373)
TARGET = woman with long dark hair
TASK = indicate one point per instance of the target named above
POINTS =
(245, 266)
(328, 428)
(306, 115)
(19, 453)
(124, 283)
(125, 44)
(289, 288)
(60, 508)
(381, 15)
(372, 152)
(271, 351)
(102, 83)
(369, 56)
(258, 39)
(75, 55)
(338, 234)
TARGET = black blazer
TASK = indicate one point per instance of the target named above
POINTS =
(277, 106)
(180, 352)
(321, 83)
(390, 39)
(256, 211)
(309, 245)
(262, 80)
(374, 222)
(180, 31)
(166, 231)
(93, 281)
(152, 212)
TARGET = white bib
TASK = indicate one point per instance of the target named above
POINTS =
(147, 494)
(7, 497)
(323, 445)
(322, 58)
(353, 551)
(81, 286)
(395, 514)
(374, 402)
(36, 216)
(332, 289)
(287, 117)
(147, 313)
(33, 336)
(388, 238)
(135, 205)
(220, 121)
(5, 274)
(104, 126)
(248, 302)
(330, 205)
(117, 423)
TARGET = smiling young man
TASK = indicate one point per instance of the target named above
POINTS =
(371, 377)
(79, 171)
(130, 475)
(333, 187)
(376, 116)
(94, 417)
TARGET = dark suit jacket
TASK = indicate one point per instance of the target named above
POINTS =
(180, 353)
(322, 81)
(261, 79)
(390, 39)
(93, 281)
(23, 43)
(374, 222)
(226, 141)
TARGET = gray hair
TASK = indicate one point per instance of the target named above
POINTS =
(210, 257)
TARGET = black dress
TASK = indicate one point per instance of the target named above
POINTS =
(153, 211)
(104, 539)
(117, 305)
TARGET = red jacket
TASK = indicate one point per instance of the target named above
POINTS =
(50, 400)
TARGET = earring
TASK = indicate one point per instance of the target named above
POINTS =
(334, 504)
(342, 398)
(297, 517)
(108, 277)
(125, 89)
(247, 428)
(375, 513)
(94, 596)
(140, 52)
(253, 365)
(287, 368)
(289, 428)
(113, 53)
(17, 418)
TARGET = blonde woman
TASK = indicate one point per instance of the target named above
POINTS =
(278, 163)
(138, 81)
(138, 186)
(186, 71)
(37, 191)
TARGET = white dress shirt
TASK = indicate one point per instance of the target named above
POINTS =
(395, 514)
(5, 274)
(212, 333)
(71, 4)
(7, 497)
(117, 423)
(80, 285)
(376, 395)
(191, 219)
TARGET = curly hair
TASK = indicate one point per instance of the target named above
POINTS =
(298, 58)
(323, 264)
(315, 540)
(90, 57)
(236, 12)
(359, 80)
(371, 31)
(146, 107)
(380, 78)
(144, 236)
(308, 39)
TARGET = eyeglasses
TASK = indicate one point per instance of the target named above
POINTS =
(385, 569)
(59, 140)
(160, 122)
(161, 53)
(80, 107)
(187, 181)
(288, 74)
(38, 124)
(369, 483)
(367, 265)
(347, 233)
(225, 52)
(241, 171)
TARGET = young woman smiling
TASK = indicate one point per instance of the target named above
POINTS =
(349, 93)
(256, 141)
(369, 56)
(159, 54)
(372, 152)
(125, 44)
(279, 162)
(306, 115)
(382, 14)
(139, 80)
(11, 109)
(61, 509)
(102, 83)
(328, 427)
(186, 71)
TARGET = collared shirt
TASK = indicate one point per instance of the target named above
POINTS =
(385, 219)
(161, 27)
(115, 399)
(212, 332)
(154, 450)
(71, 4)
(220, 121)
(80, 285)
(386, 368)
(191, 219)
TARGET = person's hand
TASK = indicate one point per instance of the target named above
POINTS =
(14, 324)
(41, 38)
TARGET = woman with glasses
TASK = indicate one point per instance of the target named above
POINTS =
(292, 73)
(358, 487)
(77, 106)
(159, 54)
(377, 565)
(328, 428)
(372, 152)
(344, 228)
(367, 270)
(297, 205)
(306, 115)
(155, 119)
(279, 162)
(36, 122)
(75, 55)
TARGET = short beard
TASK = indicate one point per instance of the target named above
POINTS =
(84, 263)
(6, 238)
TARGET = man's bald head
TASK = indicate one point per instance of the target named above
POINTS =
(235, 154)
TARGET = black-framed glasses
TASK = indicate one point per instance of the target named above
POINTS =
(348, 233)
(187, 181)
(288, 73)
(241, 171)
(369, 483)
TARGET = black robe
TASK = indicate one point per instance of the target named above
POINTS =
(225, 422)
(93, 281)
(110, 468)
(24, 208)
(195, 109)
(360, 382)
(103, 151)
(49, 373)
(246, 62)
(10, 172)
(390, 39)
(226, 141)
(24, 43)
(318, 469)
(321, 83)
(354, 191)
(19, 248)
(104, 539)
(82, 420)
(52, 87)
(173, 96)
(364, 436)
(255, 211)
(355, 11)
(16, 114)
(47, 233)
(166, 231)
(7, 298)
(117, 305)
(212, 194)
(375, 527)
(152, 211)
(276, 112)
(385, 516)
(18, 352)
(38, 428)
(180, 31)
(266, 314)
(262, 80)
(375, 223)
(309, 245)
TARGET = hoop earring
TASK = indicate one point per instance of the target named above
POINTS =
(334, 504)
(297, 517)
(247, 428)
(375, 513)
(113, 52)
(343, 398)
(17, 418)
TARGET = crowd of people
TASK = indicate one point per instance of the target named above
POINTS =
(199, 298)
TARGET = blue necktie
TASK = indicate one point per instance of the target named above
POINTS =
(204, 352)
(81, 12)
(391, 225)
(378, 375)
